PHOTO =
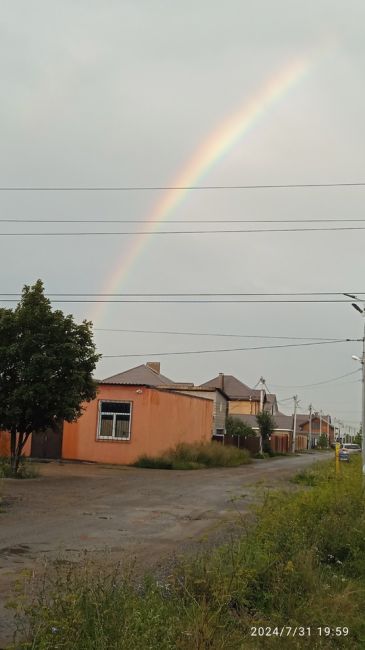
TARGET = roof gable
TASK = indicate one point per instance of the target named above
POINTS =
(140, 375)
(303, 419)
(233, 388)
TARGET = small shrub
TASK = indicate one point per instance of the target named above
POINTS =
(323, 441)
(153, 462)
(236, 427)
(305, 478)
(26, 469)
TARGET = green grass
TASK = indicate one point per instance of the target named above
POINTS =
(26, 469)
(301, 564)
(196, 456)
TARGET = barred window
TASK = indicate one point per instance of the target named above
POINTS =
(114, 420)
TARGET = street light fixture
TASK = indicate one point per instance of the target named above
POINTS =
(361, 360)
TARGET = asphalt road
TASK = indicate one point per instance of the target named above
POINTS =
(120, 512)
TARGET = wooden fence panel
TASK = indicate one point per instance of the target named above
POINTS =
(251, 443)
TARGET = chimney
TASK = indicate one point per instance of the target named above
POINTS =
(221, 380)
(154, 365)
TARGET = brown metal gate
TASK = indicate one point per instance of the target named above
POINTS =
(48, 443)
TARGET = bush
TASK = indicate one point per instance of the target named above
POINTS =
(156, 462)
(322, 441)
(267, 425)
(301, 564)
(236, 427)
(26, 469)
(306, 478)
(196, 456)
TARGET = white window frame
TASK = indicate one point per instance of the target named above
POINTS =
(113, 438)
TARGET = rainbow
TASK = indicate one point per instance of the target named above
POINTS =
(209, 153)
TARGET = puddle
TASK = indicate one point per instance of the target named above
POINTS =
(19, 549)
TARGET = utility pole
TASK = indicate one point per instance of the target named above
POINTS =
(310, 427)
(296, 402)
(262, 387)
(362, 361)
(320, 423)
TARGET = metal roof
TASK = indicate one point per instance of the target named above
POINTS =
(233, 388)
(141, 375)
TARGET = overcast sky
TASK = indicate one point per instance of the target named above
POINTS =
(124, 93)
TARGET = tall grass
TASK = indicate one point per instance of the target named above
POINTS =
(301, 564)
(26, 469)
(196, 456)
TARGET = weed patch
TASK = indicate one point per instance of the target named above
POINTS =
(26, 469)
(196, 456)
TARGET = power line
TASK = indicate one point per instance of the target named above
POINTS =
(157, 188)
(261, 347)
(191, 302)
(197, 294)
(172, 222)
(319, 383)
(247, 336)
(177, 232)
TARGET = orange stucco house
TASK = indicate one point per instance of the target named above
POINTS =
(126, 421)
(132, 415)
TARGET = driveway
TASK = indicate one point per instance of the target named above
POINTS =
(123, 511)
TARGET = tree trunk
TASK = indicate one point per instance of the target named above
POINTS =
(16, 448)
(12, 449)
(18, 452)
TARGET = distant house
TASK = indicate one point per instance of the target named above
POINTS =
(282, 437)
(242, 400)
(318, 424)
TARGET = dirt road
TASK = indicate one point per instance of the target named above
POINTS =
(122, 511)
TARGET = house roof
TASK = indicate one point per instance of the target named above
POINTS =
(139, 376)
(270, 401)
(194, 389)
(304, 418)
(282, 422)
(233, 388)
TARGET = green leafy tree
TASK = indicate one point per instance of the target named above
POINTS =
(236, 427)
(322, 441)
(46, 366)
(267, 425)
(358, 438)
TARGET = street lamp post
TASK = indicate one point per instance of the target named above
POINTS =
(362, 361)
